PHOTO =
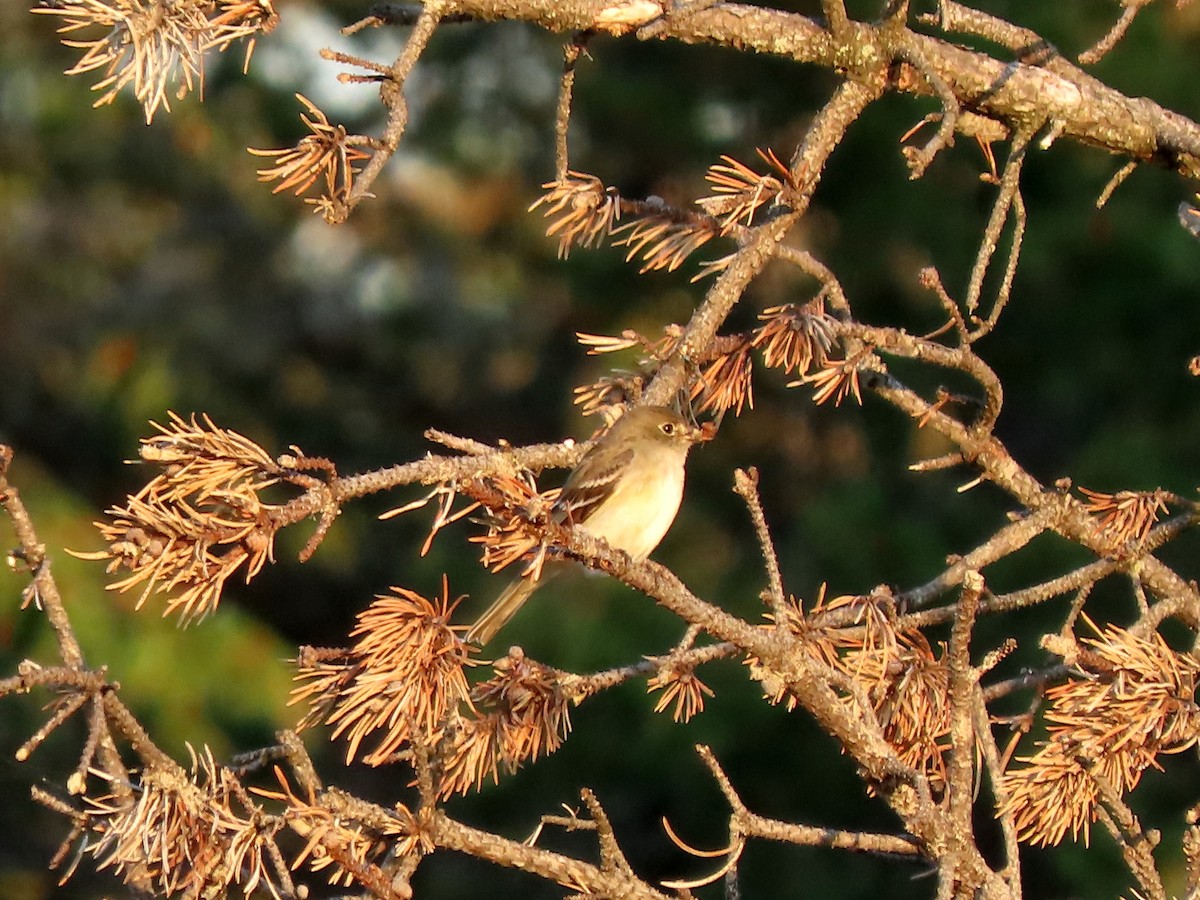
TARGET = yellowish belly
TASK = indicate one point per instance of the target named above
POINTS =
(637, 516)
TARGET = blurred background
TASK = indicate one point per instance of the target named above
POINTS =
(144, 269)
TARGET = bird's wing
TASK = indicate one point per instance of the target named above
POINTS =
(587, 487)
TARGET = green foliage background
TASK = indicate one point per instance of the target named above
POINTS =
(144, 269)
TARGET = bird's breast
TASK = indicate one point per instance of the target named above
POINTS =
(638, 513)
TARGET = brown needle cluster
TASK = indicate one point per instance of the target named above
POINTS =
(153, 44)
(792, 338)
(657, 349)
(664, 238)
(405, 673)
(837, 379)
(583, 211)
(1132, 700)
(609, 391)
(348, 848)
(327, 154)
(404, 681)
(522, 714)
(1126, 516)
(682, 686)
(739, 191)
(894, 670)
(516, 512)
(622, 386)
(181, 833)
(726, 383)
(198, 522)
(795, 338)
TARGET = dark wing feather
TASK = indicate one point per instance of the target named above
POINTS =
(588, 485)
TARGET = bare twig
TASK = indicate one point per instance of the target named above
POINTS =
(1100, 49)
(33, 556)
(919, 160)
(986, 742)
(562, 118)
(746, 486)
(750, 824)
(1136, 845)
(963, 679)
(1115, 182)
(1005, 542)
(1007, 199)
(392, 92)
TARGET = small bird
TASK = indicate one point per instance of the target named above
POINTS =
(626, 490)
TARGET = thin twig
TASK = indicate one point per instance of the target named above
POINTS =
(834, 293)
(455, 442)
(754, 825)
(400, 14)
(746, 486)
(920, 159)
(986, 742)
(836, 18)
(1008, 540)
(963, 679)
(574, 49)
(1101, 48)
(1136, 845)
(393, 96)
(1024, 681)
(583, 876)
(1007, 199)
(33, 555)
(1115, 182)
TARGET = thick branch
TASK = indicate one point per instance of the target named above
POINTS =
(1080, 106)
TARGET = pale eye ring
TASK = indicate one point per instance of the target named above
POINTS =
(667, 428)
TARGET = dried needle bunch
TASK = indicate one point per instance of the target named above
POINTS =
(196, 523)
(682, 686)
(516, 512)
(895, 671)
(196, 833)
(739, 191)
(1126, 517)
(405, 673)
(327, 154)
(349, 841)
(404, 681)
(520, 714)
(1131, 700)
(153, 44)
(583, 212)
(795, 339)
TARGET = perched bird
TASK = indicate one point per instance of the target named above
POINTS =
(626, 490)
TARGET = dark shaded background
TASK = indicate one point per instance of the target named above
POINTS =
(143, 269)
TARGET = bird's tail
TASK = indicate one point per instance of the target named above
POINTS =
(505, 607)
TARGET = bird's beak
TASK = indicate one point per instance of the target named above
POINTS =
(704, 433)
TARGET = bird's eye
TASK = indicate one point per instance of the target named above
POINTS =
(668, 428)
